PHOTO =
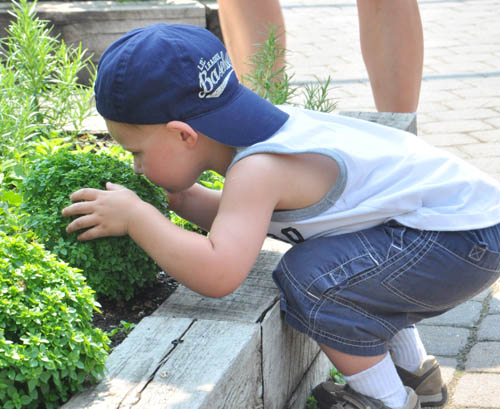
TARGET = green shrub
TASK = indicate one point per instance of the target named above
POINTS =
(10, 222)
(115, 267)
(48, 348)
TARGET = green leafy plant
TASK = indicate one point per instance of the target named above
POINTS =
(311, 403)
(48, 348)
(316, 96)
(212, 180)
(336, 376)
(46, 70)
(269, 78)
(114, 266)
(10, 221)
(39, 90)
(125, 328)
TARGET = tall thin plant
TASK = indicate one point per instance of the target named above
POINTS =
(269, 78)
(39, 89)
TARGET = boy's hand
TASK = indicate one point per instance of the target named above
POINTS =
(104, 212)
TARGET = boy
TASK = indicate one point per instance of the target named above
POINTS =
(386, 229)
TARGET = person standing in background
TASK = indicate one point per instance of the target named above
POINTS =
(391, 44)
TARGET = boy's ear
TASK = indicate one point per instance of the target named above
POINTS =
(185, 131)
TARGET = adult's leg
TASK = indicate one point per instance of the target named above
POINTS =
(246, 23)
(392, 47)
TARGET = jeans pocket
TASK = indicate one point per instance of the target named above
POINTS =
(342, 276)
(440, 274)
(319, 265)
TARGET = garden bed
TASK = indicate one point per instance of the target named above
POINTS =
(117, 318)
(197, 352)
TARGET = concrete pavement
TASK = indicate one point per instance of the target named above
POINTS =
(459, 111)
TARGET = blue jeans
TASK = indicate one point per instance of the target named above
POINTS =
(354, 292)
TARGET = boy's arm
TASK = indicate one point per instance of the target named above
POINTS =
(198, 204)
(213, 265)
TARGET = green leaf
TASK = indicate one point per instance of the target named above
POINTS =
(9, 405)
(32, 383)
(26, 400)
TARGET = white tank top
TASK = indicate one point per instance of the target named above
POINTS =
(384, 174)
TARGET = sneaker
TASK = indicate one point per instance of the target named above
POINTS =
(426, 382)
(331, 395)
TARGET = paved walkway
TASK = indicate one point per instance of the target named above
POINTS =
(459, 110)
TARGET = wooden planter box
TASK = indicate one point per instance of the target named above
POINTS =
(234, 352)
(197, 352)
(96, 24)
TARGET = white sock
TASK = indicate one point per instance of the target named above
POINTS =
(382, 382)
(407, 349)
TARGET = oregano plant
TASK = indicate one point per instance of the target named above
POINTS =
(115, 267)
(48, 348)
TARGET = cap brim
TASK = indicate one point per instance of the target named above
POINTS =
(244, 121)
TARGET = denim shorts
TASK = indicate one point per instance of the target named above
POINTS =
(354, 292)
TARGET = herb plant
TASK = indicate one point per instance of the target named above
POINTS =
(337, 376)
(46, 70)
(39, 90)
(125, 327)
(311, 403)
(269, 78)
(48, 348)
(115, 267)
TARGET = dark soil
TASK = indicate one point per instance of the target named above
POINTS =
(120, 314)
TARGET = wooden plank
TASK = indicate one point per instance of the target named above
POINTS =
(133, 363)
(217, 366)
(96, 24)
(287, 354)
(64, 15)
(248, 303)
(404, 121)
(318, 372)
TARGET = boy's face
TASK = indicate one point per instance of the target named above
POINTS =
(158, 154)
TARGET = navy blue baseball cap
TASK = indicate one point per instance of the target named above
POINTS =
(166, 72)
